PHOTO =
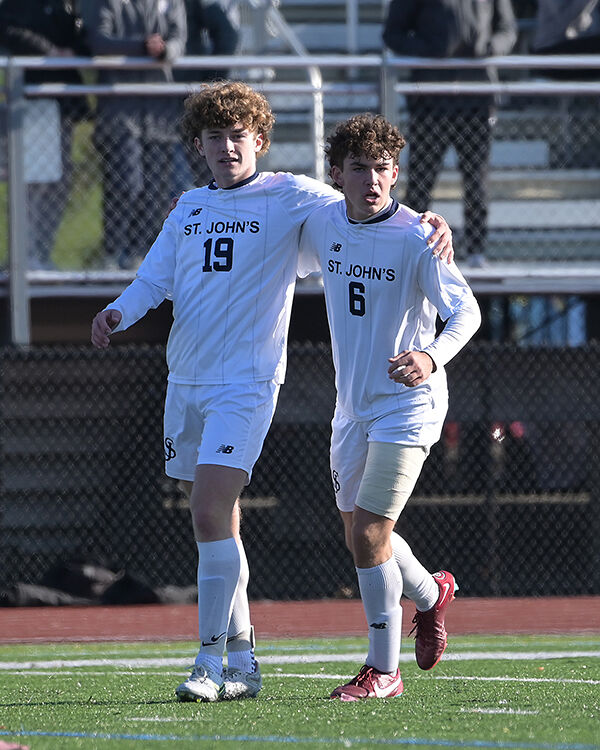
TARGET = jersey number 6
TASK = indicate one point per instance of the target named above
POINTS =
(356, 298)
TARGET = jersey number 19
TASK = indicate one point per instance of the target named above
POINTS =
(222, 249)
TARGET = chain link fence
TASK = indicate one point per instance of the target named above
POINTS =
(519, 184)
(508, 500)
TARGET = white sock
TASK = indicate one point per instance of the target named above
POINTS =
(240, 635)
(208, 661)
(419, 585)
(239, 622)
(380, 590)
(218, 573)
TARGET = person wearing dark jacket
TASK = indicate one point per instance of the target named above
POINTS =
(49, 28)
(212, 30)
(446, 29)
(134, 134)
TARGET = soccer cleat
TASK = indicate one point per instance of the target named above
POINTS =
(239, 684)
(431, 637)
(202, 685)
(370, 683)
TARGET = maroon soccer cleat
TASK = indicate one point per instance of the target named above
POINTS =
(370, 683)
(431, 637)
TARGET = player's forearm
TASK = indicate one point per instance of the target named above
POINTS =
(459, 328)
(135, 301)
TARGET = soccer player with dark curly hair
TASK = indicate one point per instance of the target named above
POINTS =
(383, 291)
(227, 257)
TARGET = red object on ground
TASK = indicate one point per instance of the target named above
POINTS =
(301, 619)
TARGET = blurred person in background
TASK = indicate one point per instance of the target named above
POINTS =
(134, 134)
(567, 27)
(212, 30)
(445, 29)
(49, 28)
(572, 27)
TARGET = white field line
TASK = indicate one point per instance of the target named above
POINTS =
(297, 675)
(177, 650)
(139, 663)
(517, 711)
(322, 676)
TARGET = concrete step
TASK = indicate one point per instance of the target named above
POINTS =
(576, 215)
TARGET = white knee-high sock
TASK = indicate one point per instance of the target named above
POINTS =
(218, 573)
(240, 636)
(239, 622)
(419, 585)
(380, 590)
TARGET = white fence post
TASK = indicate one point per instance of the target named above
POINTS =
(20, 318)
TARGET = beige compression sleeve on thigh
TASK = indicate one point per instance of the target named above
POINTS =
(391, 472)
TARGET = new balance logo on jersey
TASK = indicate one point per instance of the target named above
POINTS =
(225, 448)
(195, 212)
(335, 247)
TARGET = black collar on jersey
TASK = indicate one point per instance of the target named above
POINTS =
(385, 214)
(212, 185)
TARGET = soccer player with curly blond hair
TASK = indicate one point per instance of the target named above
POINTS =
(227, 257)
(383, 291)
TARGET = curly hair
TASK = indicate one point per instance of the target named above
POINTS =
(226, 103)
(367, 134)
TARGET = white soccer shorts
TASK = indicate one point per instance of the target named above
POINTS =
(374, 464)
(216, 424)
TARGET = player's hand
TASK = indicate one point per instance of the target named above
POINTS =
(102, 327)
(156, 46)
(174, 202)
(410, 368)
(441, 239)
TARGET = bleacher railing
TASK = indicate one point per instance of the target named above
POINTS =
(327, 100)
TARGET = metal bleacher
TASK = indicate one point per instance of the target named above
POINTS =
(542, 206)
(544, 202)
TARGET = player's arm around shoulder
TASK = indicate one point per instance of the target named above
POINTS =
(438, 235)
(303, 191)
(430, 226)
(309, 260)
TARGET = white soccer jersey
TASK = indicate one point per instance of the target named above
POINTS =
(227, 258)
(383, 288)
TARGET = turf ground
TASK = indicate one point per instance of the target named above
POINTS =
(488, 692)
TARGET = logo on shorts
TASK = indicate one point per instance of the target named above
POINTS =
(379, 625)
(336, 481)
(169, 449)
(225, 448)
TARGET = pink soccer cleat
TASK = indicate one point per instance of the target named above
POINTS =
(370, 683)
(431, 637)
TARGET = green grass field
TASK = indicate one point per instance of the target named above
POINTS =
(488, 692)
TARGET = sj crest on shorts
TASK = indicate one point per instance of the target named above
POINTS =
(216, 424)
